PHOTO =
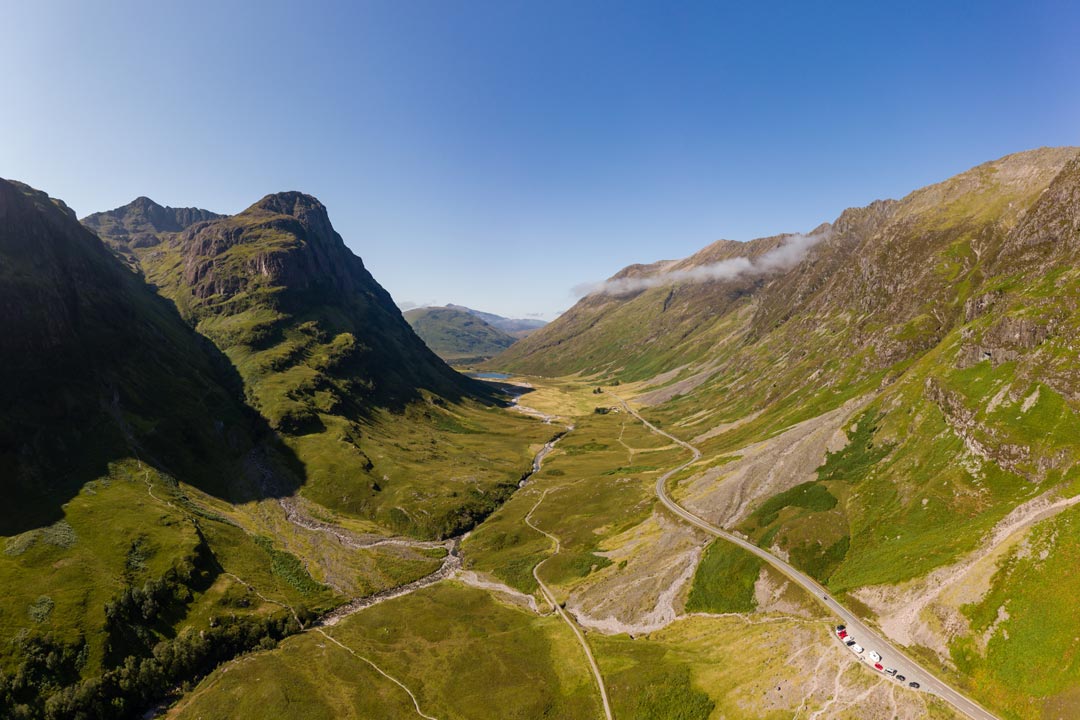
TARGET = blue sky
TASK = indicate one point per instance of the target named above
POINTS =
(496, 154)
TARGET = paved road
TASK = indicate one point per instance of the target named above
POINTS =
(864, 635)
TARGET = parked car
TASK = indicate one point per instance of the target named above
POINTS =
(841, 627)
(874, 656)
(849, 643)
(913, 684)
(856, 648)
(890, 671)
(879, 666)
(842, 634)
(901, 678)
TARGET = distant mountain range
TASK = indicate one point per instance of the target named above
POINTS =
(462, 335)
(458, 336)
(517, 327)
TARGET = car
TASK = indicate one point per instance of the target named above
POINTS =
(890, 671)
(849, 643)
(856, 648)
(879, 666)
(874, 656)
(841, 627)
(842, 634)
(913, 684)
(901, 678)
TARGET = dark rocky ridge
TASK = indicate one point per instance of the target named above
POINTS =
(142, 222)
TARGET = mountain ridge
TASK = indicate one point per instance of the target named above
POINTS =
(603, 331)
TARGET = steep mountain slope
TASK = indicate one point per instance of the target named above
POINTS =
(378, 422)
(114, 411)
(457, 335)
(887, 281)
(97, 367)
(518, 327)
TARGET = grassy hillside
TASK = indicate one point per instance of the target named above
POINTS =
(456, 335)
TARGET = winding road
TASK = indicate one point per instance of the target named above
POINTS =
(866, 636)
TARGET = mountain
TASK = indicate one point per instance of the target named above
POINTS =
(519, 328)
(327, 358)
(141, 223)
(889, 280)
(85, 339)
(115, 413)
(456, 335)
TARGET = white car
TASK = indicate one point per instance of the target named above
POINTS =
(856, 648)
(874, 657)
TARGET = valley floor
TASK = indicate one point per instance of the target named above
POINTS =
(680, 625)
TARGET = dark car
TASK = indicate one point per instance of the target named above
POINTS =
(841, 627)
(849, 643)
(901, 678)
(913, 684)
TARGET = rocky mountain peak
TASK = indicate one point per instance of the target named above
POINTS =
(292, 202)
(143, 222)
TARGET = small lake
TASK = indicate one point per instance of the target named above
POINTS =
(490, 376)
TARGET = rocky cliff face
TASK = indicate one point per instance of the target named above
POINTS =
(285, 239)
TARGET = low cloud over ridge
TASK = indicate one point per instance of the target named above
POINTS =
(780, 259)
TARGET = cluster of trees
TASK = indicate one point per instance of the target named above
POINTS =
(144, 663)
(46, 684)
(134, 619)
(46, 665)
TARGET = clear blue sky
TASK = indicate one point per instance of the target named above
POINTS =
(496, 154)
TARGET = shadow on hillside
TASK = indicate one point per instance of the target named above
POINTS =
(160, 395)
(506, 393)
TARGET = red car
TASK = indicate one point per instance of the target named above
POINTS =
(842, 634)
(879, 666)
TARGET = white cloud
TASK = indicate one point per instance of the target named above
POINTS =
(780, 259)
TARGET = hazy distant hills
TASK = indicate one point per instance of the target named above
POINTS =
(457, 335)
(518, 327)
